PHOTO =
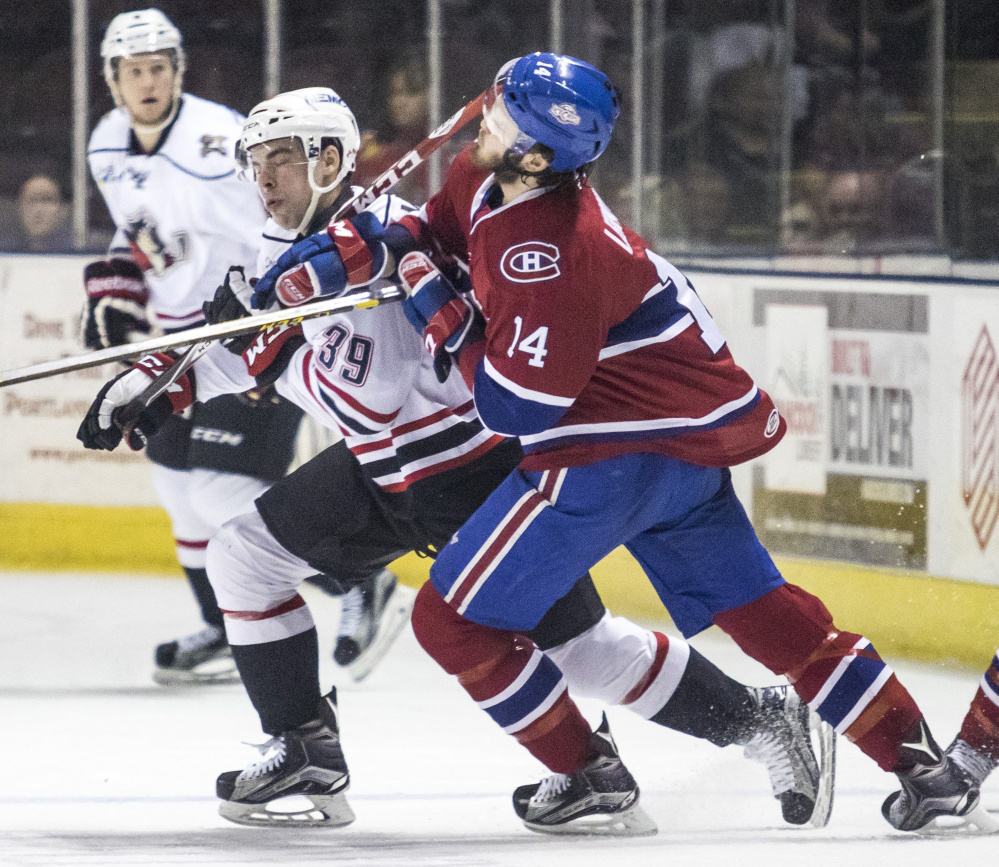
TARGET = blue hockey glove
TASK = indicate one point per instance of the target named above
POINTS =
(347, 255)
(441, 316)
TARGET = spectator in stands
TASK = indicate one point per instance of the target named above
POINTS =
(404, 124)
(43, 219)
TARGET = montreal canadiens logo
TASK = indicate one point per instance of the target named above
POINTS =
(773, 422)
(530, 262)
(565, 113)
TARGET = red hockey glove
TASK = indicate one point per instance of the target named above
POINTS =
(271, 351)
(266, 353)
(439, 313)
(116, 411)
(348, 255)
(116, 304)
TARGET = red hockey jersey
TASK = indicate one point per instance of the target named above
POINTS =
(595, 345)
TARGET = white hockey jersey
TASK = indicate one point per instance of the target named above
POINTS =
(366, 374)
(180, 211)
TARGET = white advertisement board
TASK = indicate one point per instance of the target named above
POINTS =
(41, 460)
(965, 506)
(847, 361)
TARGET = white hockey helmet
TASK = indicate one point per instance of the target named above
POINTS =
(143, 32)
(309, 115)
(146, 31)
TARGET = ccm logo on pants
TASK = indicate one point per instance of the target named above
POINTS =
(214, 435)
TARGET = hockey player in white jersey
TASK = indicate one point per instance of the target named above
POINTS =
(164, 163)
(414, 462)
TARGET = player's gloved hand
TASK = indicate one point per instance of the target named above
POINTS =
(270, 352)
(443, 318)
(266, 352)
(116, 304)
(349, 254)
(116, 411)
(231, 301)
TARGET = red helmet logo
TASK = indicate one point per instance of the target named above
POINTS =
(530, 262)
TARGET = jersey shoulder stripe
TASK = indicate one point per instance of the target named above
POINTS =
(523, 392)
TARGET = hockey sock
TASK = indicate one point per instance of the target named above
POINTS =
(509, 678)
(708, 704)
(203, 592)
(282, 679)
(981, 724)
(579, 610)
(838, 673)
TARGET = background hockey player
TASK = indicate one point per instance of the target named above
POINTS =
(163, 160)
(414, 464)
(601, 358)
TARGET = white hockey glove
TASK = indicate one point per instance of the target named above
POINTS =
(117, 412)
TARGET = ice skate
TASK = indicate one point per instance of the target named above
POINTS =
(975, 765)
(373, 615)
(305, 763)
(201, 658)
(599, 799)
(799, 752)
(937, 796)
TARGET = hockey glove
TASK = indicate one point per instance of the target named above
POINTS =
(347, 255)
(116, 304)
(266, 352)
(117, 412)
(439, 313)
(232, 301)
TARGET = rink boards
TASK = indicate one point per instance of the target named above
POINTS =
(883, 498)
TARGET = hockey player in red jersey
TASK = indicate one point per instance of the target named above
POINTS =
(600, 357)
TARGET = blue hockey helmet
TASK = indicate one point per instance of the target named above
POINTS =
(555, 100)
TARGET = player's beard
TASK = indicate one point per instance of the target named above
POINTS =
(497, 164)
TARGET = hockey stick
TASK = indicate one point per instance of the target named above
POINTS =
(211, 333)
(290, 316)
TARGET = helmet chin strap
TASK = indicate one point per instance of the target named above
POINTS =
(317, 193)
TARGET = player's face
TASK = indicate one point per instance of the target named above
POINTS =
(146, 83)
(488, 151)
(282, 174)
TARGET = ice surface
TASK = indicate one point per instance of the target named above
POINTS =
(102, 767)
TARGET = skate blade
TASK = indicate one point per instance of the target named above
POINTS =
(326, 811)
(824, 744)
(634, 822)
(216, 672)
(393, 620)
(976, 822)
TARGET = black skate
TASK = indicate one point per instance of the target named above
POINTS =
(306, 761)
(372, 616)
(787, 739)
(973, 764)
(203, 657)
(601, 798)
(937, 795)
